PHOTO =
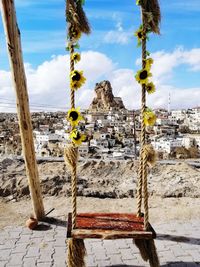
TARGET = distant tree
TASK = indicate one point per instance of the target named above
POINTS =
(181, 153)
(194, 152)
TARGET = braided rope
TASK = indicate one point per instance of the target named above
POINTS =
(139, 186)
(71, 157)
(74, 151)
(72, 95)
(143, 128)
(145, 188)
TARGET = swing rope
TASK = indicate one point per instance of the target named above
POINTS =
(77, 23)
(73, 150)
(143, 128)
(150, 13)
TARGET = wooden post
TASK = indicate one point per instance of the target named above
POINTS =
(19, 82)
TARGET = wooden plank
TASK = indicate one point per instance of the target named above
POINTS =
(124, 222)
(108, 226)
(113, 216)
(109, 234)
(19, 82)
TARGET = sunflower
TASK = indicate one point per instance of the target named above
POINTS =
(138, 2)
(148, 63)
(77, 137)
(142, 76)
(74, 116)
(150, 88)
(149, 117)
(76, 79)
(140, 34)
(76, 57)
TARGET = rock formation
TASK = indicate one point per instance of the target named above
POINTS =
(104, 99)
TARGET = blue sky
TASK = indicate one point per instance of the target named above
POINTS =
(113, 22)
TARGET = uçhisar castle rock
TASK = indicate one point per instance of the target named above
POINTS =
(104, 99)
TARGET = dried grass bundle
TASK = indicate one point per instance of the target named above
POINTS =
(151, 11)
(151, 155)
(76, 17)
(76, 253)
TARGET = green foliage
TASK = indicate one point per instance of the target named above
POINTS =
(148, 53)
(81, 1)
(76, 46)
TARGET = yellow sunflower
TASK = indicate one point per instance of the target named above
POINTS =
(140, 34)
(76, 57)
(138, 2)
(77, 137)
(76, 79)
(74, 116)
(142, 76)
(148, 63)
(150, 88)
(149, 117)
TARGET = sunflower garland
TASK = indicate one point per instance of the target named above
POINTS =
(140, 35)
(76, 57)
(148, 63)
(74, 116)
(76, 137)
(142, 76)
(150, 88)
(149, 117)
(76, 79)
(77, 24)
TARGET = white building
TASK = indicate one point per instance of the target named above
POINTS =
(178, 114)
(166, 145)
(83, 150)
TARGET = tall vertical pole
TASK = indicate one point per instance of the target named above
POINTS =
(19, 82)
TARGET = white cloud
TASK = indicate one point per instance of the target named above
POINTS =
(48, 84)
(165, 63)
(117, 37)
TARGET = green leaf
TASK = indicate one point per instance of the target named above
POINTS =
(139, 44)
(77, 46)
(148, 53)
(82, 2)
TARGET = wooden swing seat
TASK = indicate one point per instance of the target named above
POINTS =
(108, 226)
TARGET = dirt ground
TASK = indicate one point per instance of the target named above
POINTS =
(161, 209)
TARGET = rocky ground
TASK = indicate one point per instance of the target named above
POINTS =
(173, 208)
(100, 179)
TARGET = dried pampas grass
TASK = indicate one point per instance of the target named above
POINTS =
(152, 15)
(151, 155)
(76, 253)
(76, 17)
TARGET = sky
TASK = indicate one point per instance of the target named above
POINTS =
(109, 53)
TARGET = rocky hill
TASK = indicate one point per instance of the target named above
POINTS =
(100, 179)
(104, 99)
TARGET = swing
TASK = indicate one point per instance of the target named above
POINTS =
(136, 226)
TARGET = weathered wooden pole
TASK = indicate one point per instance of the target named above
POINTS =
(19, 82)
